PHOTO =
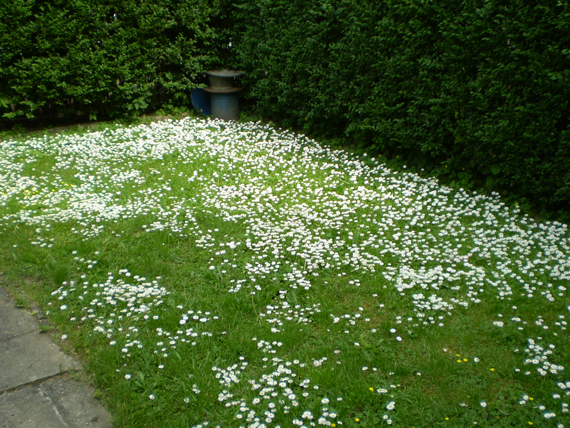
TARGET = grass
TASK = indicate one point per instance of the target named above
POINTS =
(231, 274)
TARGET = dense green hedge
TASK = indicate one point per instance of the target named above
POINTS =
(104, 58)
(478, 90)
(477, 87)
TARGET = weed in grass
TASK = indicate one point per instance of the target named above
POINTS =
(227, 274)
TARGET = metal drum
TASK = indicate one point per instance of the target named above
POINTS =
(224, 101)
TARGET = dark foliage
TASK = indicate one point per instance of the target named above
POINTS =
(475, 90)
(104, 58)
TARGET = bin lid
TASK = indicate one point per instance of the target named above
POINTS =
(224, 73)
(223, 90)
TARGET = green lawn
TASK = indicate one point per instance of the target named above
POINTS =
(231, 274)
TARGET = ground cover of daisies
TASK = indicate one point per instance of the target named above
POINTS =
(234, 275)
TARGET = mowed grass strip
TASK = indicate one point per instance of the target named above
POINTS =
(236, 275)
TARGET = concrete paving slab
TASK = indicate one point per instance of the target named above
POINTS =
(60, 402)
(29, 358)
(33, 391)
(13, 321)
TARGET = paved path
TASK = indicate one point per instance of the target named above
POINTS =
(36, 388)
